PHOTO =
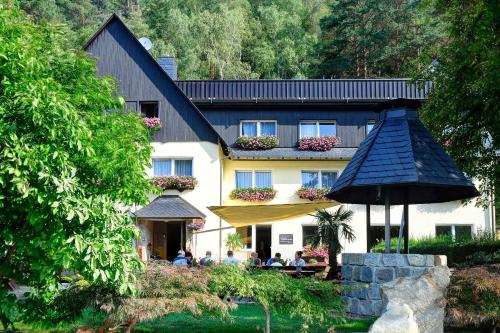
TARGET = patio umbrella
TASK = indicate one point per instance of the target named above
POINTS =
(400, 163)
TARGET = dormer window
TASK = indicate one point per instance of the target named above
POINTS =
(258, 128)
(317, 129)
(370, 123)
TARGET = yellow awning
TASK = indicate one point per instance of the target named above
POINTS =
(240, 216)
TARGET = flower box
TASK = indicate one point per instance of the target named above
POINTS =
(152, 123)
(253, 194)
(196, 225)
(320, 253)
(179, 183)
(263, 142)
(312, 193)
(323, 143)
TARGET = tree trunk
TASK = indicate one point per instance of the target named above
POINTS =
(332, 257)
(267, 328)
(212, 71)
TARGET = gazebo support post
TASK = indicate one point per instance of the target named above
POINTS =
(368, 231)
(387, 223)
(406, 229)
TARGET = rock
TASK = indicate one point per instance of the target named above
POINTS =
(394, 259)
(384, 274)
(356, 273)
(418, 271)
(440, 261)
(429, 260)
(365, 307)
(374, 291)
(378, 306)
(373, 259)
(416, 259)
(359, 290)
(346, 272)
(397, 318)
(346, 258)
(366, 274)
(357, 259)
(403, 271)
(423, 294)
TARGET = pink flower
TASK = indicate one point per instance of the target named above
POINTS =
(253, 194)
(322, 143)
(319, 252)
(263, 142)
(312, 193)
(152, 122)
(179, 183)
(196, 225)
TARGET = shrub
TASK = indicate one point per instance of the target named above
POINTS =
(457, 251)
(322, 143)
(473, 297)
(179, 183)
(152, 123)
(253, 194)
(263, 142)
(312, 193)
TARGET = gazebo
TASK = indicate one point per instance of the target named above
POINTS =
(400, 163)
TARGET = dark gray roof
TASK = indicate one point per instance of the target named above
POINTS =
(292, 154)
(400, 156)
(302, 90)
(169, 207)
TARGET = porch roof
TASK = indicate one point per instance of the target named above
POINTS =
(169, 207)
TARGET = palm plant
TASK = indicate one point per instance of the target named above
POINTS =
(234, 242)
(330, 227)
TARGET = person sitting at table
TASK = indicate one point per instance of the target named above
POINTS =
(230, 260)
(254, 260)
(181, 259)
(298, 262)
(207, 260)
(276, 259)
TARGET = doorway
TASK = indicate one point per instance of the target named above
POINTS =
(263, 241)
(168, 238)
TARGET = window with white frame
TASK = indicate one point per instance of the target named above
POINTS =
(258, 127)
(454, 231)
(317, 128)
(370, 124)
(169, 167)
(318, 179)
(253, 179)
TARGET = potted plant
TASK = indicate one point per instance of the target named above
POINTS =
(253, 194)
(322, 143)
(196, 225)
(312, 193)
(152, 123)
(262, 142)
(179, 183)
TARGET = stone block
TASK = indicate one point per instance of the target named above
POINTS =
(365, 308)
(429, 260)
(374, 291)
(346, 258)
(378, 307)
(359, 290)
(440, 261)
(354, 306)
(394, 259)
(347, 301)
(357, 259)
(346, 272)
(403, 271)
(418, 271)
(416, 259)
(356, 273)
(366, 274)
(373, 259)
(384, 274)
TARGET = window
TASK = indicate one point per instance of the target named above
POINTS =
(377, 234)
(318, 179)
(258, 128)
(246, 235)
(317, 128)
(168, 167)
(308, 232)
(149, 109)
(250, 179)
(455, 231)
(370, 123)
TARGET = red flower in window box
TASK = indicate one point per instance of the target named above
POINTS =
(313, 193)
(322, 143)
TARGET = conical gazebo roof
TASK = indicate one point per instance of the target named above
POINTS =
(401, 158)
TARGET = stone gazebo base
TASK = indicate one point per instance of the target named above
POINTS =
(365, 273)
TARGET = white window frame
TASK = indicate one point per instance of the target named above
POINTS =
(317, 122)
(172, 163)
(253, 176)
(302, 231)
(320, 176)
(369, 122)
(258, 125)
(452, 226)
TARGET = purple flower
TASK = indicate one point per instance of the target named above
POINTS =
(263, 142)
(196, 225)
(312, 193)
(179, 183)
(253, 194)
(319, 252)
(152, 122)
(322, 143)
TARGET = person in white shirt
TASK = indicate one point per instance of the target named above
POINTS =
(298, 262)
(230, 260)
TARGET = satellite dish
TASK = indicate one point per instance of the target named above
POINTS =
(146, 43)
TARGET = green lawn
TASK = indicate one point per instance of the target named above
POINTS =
(247, 318)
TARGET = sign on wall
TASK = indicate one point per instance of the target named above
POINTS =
(286, 239)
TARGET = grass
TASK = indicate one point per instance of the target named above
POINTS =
(246, 318)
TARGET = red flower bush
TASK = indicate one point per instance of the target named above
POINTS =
(263, 142)
(253, 194)
(319, 252)
(312, 193)
(153, 123)
(322, 143)
(179, 183)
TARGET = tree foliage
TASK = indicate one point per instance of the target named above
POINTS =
(67, 165)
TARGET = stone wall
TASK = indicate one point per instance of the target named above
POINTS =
(365, 273)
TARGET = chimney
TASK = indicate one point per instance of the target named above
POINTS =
(169, 65)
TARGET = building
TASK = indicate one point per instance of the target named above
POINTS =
(201, 122)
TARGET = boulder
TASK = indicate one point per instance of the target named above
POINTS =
(397, 318)
(424, 295)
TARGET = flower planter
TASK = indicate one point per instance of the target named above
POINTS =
(264, 142)
(152, 123)
(323, 143)
(312, 194)
(196, 226)
(319, 253)
(179, 183)
(253, 194)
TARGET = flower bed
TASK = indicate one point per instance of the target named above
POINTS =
(153, 123)
(320, 252)
(312, 193)
(323, 143)
(196, 225)
(179, 183)
(253, 194)
(257, 142)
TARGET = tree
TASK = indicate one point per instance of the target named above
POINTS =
(70, 159)
(462, 107)
(331, 226)
(234, 242)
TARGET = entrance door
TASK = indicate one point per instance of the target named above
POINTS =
(168, 238)
(263, 241)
